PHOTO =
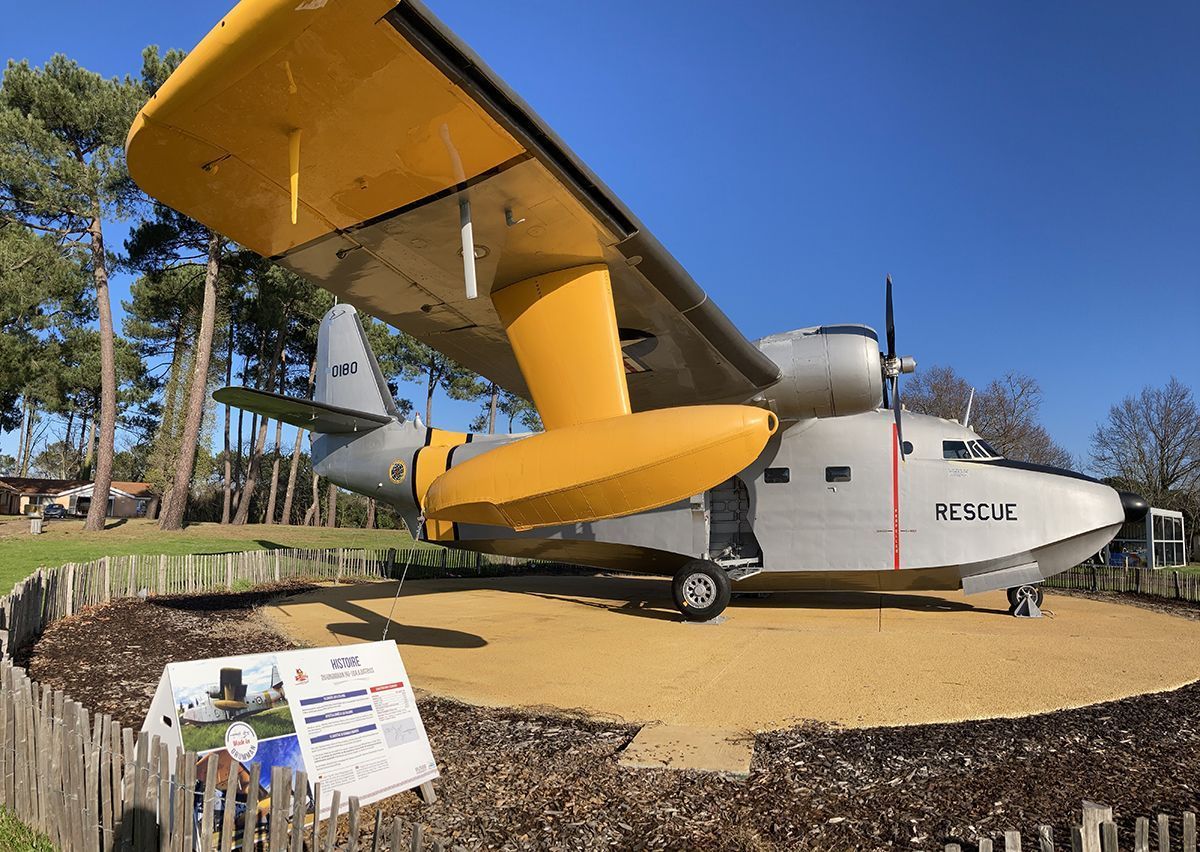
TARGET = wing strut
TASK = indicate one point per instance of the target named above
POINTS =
(466, 229)
(596, 458)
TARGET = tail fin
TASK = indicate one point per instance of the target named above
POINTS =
(348, 376)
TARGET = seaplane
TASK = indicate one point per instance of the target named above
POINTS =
(361, 144)
(230, 699)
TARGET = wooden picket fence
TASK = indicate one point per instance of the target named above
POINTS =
(92, 785)
(49, 594)
(1097, 833)
(1159, 582)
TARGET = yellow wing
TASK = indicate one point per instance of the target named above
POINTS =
(384, 120)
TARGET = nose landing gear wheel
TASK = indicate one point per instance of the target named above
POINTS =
(1020, 599)
(701, 590)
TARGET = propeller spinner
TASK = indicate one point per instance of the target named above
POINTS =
(893, 366)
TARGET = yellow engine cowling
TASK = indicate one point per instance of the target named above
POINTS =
(602, 468)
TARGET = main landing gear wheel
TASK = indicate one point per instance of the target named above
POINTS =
(701, 590)
(1028, 593)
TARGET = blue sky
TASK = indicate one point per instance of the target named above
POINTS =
(1028, 173)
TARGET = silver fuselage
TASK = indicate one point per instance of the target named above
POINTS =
(798, 519)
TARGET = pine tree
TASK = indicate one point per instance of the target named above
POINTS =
(62, 173)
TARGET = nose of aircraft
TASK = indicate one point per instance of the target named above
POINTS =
(1135, 506)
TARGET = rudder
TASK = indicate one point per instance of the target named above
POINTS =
(348, 376)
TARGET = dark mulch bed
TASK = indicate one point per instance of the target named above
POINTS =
(519, 780)
(111, 657)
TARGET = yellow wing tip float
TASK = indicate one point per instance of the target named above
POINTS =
(603, 468)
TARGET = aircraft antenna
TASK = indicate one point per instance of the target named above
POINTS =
(967, 416)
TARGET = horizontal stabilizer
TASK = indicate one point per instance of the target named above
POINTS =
(303, 413)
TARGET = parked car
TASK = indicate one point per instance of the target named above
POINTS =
(54, 510)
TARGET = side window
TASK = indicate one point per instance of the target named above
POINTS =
(777, 474)
(837, 474)
(955, 450)
(977, 450)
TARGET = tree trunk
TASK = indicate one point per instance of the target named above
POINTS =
(102, 481)
(270, 516)
(66, 444)
(169, 434)
(171, 517)
(243, 511)
(429, 398)
(290, 492)
(89, 455)
(31, 440)
(331, 506)
(227, 497)
(25, 430)
(314, 511)
(294, 466)
(369, 523)
(237, 460)
(274, 493)
(492, 409)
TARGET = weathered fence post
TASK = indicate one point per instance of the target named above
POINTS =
(1141, 835)
(1093, 816)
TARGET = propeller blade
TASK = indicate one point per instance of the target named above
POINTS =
(896, 412)
(891, 322)
(886, 403)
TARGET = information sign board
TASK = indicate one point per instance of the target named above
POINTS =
(345, 715)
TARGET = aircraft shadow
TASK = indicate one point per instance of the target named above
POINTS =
(637, 597)
(407, 634)
(367, 625)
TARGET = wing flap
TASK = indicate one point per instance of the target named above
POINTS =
(303, 413)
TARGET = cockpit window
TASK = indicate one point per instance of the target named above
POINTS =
(977, 450)
(955, 450)
(991, 451)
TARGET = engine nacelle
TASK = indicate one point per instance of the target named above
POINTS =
(828, 371)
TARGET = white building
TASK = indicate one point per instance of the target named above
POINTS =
(1156, 542)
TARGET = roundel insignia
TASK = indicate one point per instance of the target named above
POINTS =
(396, 472)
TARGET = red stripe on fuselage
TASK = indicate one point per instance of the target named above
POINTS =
(895, 498)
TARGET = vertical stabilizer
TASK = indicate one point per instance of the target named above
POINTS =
(348, 376)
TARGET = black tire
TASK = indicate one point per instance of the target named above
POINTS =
(1018, 593)
(701, 590)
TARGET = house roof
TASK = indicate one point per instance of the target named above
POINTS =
(33, 485)
(134, 489)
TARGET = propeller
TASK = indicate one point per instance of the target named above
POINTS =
(893, 366)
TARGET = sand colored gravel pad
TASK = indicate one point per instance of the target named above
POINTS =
(615, 647)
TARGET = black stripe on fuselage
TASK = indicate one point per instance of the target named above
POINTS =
(450, 464)
(1033, 468)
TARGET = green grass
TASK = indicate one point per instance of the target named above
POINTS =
(15, 835)
(65, 541)
(276, 722)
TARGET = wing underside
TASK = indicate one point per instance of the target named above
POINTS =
(397, 123)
